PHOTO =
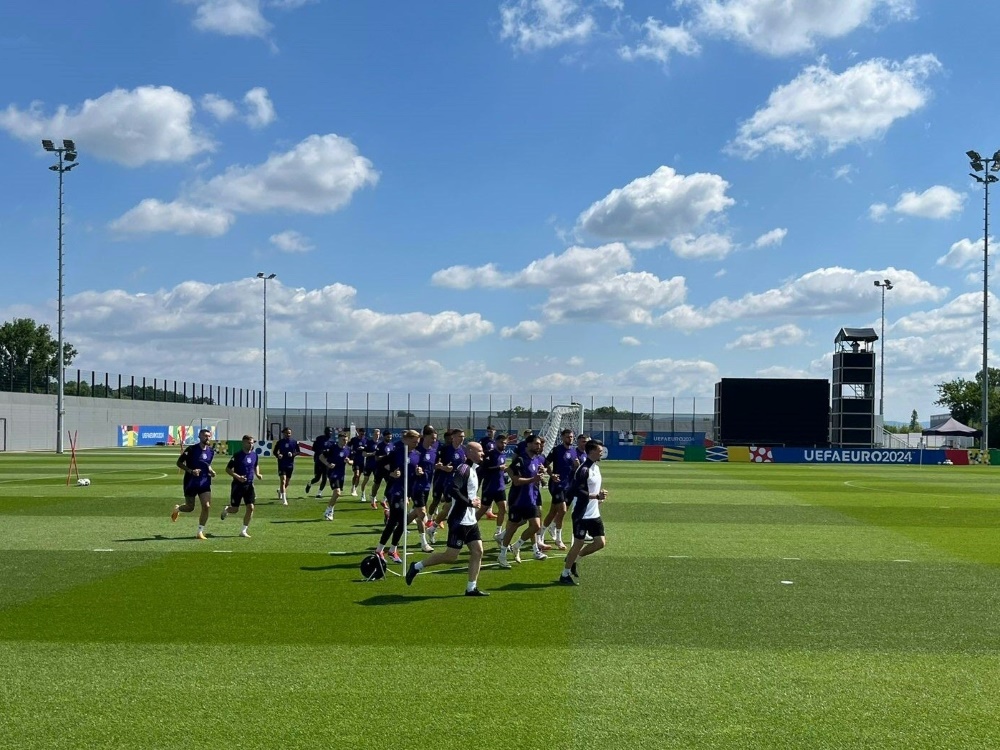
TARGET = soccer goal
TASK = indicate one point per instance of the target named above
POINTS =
(565, 416)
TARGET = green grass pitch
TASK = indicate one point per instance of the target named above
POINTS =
(737, 606)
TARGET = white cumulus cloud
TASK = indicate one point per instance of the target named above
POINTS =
(291, 241)
(660, 42)
(630, 341)
(532, 25)
(965, 253)
(654, 209)
(783, 27)
(526, 330)
(785, 335)
(833, 110)
(152, 216)
(146, 124)
(769, 239)
(260, 109)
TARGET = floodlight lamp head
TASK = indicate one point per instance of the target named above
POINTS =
(977, 165)
(996, 159)
(54, 168)
(48, 145)
(991, 178)
(877, 283)
(69, 145)
(974, 155)
(70, 156)
(260, 274)
(976, 177)
(272, 276)
(887, 284)
(68, 167)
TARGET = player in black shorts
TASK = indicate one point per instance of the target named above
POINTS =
(588, 494)
(463, 528)
(243, 468)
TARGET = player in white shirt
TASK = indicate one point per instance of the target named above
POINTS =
(463, 526)
(587, 496)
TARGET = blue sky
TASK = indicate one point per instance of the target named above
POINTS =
(527, 196)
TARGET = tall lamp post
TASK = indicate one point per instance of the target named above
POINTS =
(885, 285)
(979, 164)
(66, 155)
(266, 279)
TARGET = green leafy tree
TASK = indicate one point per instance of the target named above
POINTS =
(964, 398)
(29, 355)
(915, 422)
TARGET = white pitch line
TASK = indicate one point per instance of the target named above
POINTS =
(791, 558)
(222, 551)
(901, 561)
(680, 557)
(103, 550)
(338, 553)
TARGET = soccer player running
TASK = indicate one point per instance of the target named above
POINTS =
(561, 462)
(367, 462)
(488, 443)
(243, 468)
(494, 483)
(463, 527)
(451, 456)
(427, 449)
(196, 462)
(524, 505)
(437, 483)
(285, 450)
(588, 494)
(320, 444)
(402, 457)
(335, 459)
(381, 471)
(357, 445)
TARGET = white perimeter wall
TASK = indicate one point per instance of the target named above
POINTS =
(31, 420)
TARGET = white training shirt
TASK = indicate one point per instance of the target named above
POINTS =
(593, 509)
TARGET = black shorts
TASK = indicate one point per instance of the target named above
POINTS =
(459, 535)
(558, 494)
(494, 497)
(359, 465)
(336, 482)
(520, 514)
(381, 475)
(438, 493)
(242, 492)
(584, 526)
(286, 471)
(369, 469)
(420, 498)
(191, 491)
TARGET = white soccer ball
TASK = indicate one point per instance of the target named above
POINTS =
(83, 482)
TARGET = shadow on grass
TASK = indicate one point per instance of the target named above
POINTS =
(384, 600)
(525, 586)
(300, 520)
(161, 538)
(338, 566)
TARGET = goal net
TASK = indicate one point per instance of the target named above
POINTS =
(568, 416)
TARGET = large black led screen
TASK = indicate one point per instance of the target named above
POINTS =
(762, 411)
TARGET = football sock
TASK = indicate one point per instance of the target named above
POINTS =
(418, 566)
(470, 586)
(245, 527)
(201, 528)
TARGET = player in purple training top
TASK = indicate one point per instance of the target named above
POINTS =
(451, 456)
(366, 459)
(285, 450)
(196, 462)
(336, 458)
(357, 446)
(493, 471)
(243, 469)
(381, 471)
(427, 449)
(524, 505)
(561, 463)
(320, 444)
(463, 529)
(402, 465)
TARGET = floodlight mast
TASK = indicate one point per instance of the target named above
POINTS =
(885, 285)
(66, 155)
(986, 165)
(266, 278)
